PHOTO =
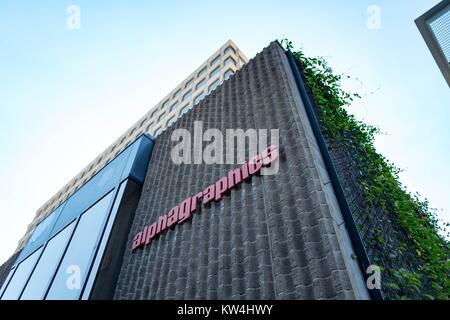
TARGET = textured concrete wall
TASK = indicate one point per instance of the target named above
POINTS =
(276, 237)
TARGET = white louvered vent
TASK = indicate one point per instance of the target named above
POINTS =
(440, 26)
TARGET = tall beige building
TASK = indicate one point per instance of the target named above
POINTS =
(209, 75)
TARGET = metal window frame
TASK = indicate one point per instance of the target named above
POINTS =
(423, 25)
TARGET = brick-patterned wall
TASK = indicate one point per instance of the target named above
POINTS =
(273, 238)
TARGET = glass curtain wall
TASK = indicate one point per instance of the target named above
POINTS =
(58, 260)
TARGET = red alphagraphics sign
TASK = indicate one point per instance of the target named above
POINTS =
(185, 209)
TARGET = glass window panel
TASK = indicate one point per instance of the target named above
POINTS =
(214, 85)
(21, 276)
(105, 241)
(40, 234)
(44, 226)
(228, 74)
(5, 283)
(229, 49)
(76, 263)
(201, 72)
(229, 60)
(93, 190)
(46, 267)
(215, 60)
(161, 116)
(199, 98)
(174, 106)
(185, 109)
(187, 95)
(200, 83)
(171, 120)
(189, 83)
(214, 72)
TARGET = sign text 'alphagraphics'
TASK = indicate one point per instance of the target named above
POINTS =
(184, 211)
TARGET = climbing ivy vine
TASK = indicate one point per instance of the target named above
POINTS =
(381, 187)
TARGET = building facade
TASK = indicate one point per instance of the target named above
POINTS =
(155, 229)
(210, 74)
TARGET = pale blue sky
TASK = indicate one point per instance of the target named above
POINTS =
(66, 95)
